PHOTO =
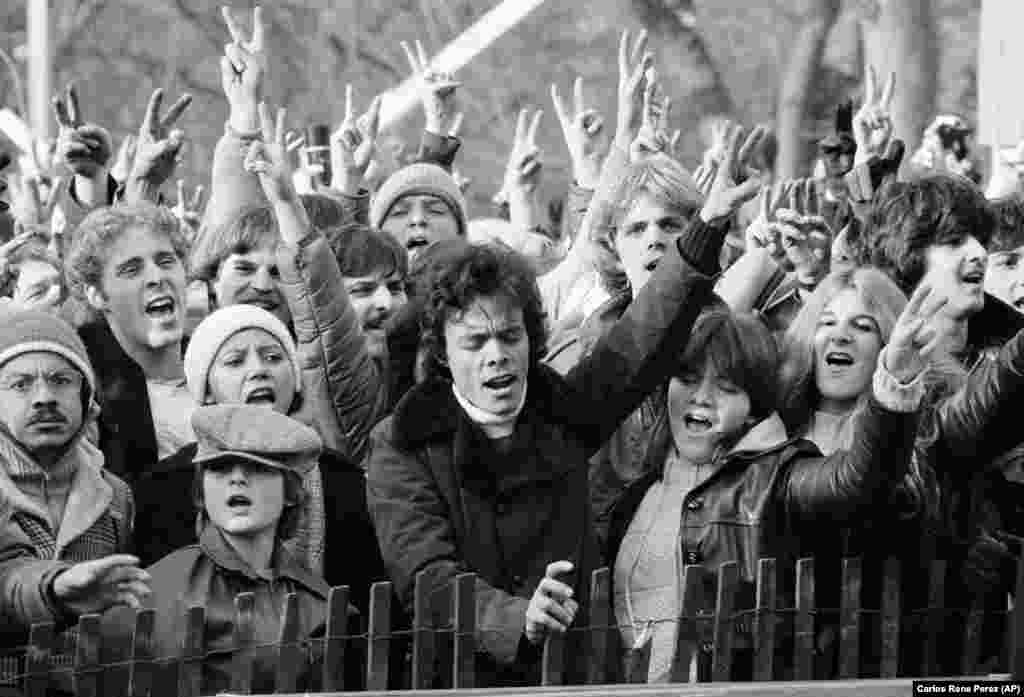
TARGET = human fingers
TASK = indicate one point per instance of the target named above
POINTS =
(176, 110)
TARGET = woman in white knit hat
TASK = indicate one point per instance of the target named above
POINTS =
(243, 354)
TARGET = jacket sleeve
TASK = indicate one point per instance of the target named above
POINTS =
(231, 187)
(577, 203)
(26, 589)
(331, 345)
(982, 419)
(438, 150)
(416, 536)
(841, 485)
(639, 350)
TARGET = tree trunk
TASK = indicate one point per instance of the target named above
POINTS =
(802, 72)
(686, 61)
(900, 36)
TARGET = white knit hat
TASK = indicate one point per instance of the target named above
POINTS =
(214, 331)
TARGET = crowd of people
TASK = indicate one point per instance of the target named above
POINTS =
(330, 376)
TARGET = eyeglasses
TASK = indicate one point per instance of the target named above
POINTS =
(61, 382)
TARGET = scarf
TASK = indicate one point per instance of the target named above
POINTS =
(494, 425)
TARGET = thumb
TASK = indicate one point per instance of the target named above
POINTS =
(556, 569)
(895, 151)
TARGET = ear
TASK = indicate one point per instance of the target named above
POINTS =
(96, 299)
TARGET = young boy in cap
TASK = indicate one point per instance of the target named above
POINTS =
(248, 490)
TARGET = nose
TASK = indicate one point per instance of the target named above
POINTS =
(382, 299)
(238, 475)
(154, 274)
(974, 251)
(654, 237)
(43, 393)
(256, 366)
(495, 353)
(417, 214)
(263, 279)
(704, 394)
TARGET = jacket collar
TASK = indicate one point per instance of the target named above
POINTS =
(89, 497)
(286, 567)
(994, 325)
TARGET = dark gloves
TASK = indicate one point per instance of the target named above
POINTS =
(991, 563)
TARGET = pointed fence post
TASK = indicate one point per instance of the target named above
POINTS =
(803, 633)
(599, 642)
(245, 633)
(690, 635)
(891, 619)
(87, 657)
(190, 667)
(290, 658)
(725, 621)
(142, 663)
(464, 670)
(37, 659)
(1016, 628)
(849, 620)
(379, 637)
(764, 626)
(334, 643)
(423, 644)
(934, 619)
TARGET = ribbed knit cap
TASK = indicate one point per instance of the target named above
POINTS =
(418, 179)
(28, 331)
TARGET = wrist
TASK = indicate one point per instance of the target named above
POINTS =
(348, 182)
(586, 176)
(244, 118)
(140, 189)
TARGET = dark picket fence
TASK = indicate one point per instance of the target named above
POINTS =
(444, 657)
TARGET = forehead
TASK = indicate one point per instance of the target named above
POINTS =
(646, 207)
(847, 303)
(139, 240)
(381, 275)
(248, 338)
(263, 254)
(487, 313)
(36, 361)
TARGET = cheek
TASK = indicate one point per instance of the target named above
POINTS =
(736, 410)
(362, 306)
(223, 385)
(870, 346)
(284, 377)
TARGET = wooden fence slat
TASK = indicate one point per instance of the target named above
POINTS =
(552, 662)
(116, 671)
(849, 620)
(765, 621)
(599, 642)
(934, 619)
(37, 659)
(444, 634)
(290, 658)
(803, 633)
(142, 661)
(1016, 628)
(334, 642)
(725, 621)
(464, 668)
(890, 621)
(245, 633)
(190, 668)
(422, 636)
(690, 634)
(378, 642)
(972, 639)
(87, 657)
(639, 664)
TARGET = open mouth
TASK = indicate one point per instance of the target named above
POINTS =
(838, 359)
(651, 265)
(414, 243)
(261, 395)
(268, 304)
(161, 308)
(696, 422)
(500, 383)
(239, 501)
(976, 277)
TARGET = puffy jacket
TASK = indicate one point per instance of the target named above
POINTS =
(444, 502)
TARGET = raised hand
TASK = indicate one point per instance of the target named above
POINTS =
(243, 69)
(633, 67)
(354, 145)
(268, 158)
(736, 180)
(916, 335)
(582, 128)
(31, 203)
(764, 231)
(872, 124)
(551, 608)
(157, 148)
(84, 148)
(93, 586)
(522, 175)
(189, 211)
(462, 181)
(124, 159)
(653, 136)
(437, 90)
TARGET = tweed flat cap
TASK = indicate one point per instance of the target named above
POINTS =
(254, 433)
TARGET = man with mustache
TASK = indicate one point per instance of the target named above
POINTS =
(61, 506)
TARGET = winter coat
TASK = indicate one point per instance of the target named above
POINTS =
(445, 502)
(166, 520)
(345, 392)
(211, 574)
(774, 496)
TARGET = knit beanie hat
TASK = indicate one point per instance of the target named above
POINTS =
(214, 331)
(28, 331)
(418, 179)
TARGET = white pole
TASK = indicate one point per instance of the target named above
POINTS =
(466, 47)
(40, 66)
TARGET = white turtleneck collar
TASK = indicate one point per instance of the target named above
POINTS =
(494, 425)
